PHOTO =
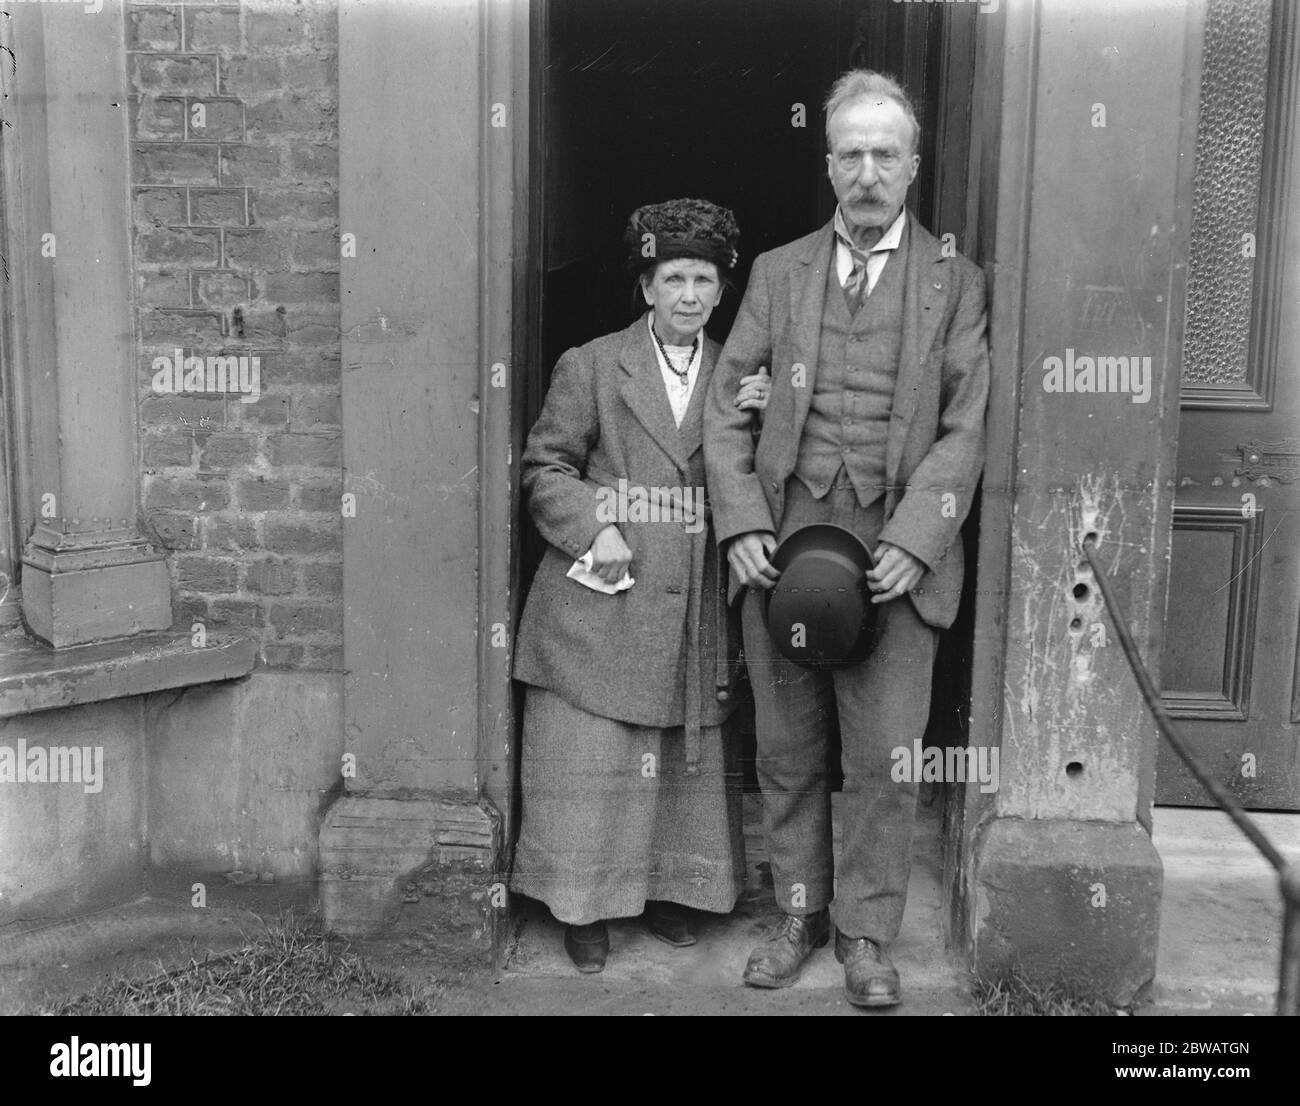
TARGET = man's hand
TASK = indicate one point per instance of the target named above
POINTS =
(610, 555)
(896, 573)
(748, 556)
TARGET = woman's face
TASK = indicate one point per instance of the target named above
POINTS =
(683, 293)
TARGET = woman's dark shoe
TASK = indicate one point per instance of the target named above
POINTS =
(778, 960)
(670, 922)
(587, 946)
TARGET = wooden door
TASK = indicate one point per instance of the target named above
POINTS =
(1231, 669)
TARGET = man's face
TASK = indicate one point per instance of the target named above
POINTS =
(871, 163)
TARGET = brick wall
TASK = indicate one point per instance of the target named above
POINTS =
(235, 221)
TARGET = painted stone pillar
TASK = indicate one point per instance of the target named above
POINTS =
(1093, 205)
(427, 128)
(88, 573)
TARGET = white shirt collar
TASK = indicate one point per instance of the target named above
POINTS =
(888, 241)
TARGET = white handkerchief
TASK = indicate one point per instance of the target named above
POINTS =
(581, 571)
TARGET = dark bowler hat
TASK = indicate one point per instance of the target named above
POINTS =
(820, 613)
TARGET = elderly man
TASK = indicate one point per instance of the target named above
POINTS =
(874, 334)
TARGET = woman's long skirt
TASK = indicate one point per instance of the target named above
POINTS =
(611, 820)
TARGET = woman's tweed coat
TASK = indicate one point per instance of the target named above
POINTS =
(626, 656)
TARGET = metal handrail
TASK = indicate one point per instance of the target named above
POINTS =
(1288, 988)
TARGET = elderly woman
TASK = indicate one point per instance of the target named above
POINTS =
(630, 790)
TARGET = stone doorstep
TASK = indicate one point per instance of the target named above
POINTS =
(645, 975)
(1221, 913)
(34, 677)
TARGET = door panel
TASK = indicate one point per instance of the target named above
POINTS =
(1210, 643)
(1230, 665)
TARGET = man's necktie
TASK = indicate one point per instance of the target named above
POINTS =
(855, 288)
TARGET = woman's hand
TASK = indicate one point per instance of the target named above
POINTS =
(610, 555)
(754, 391)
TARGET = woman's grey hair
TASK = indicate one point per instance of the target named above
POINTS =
(864, 84)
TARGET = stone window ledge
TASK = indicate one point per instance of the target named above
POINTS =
(35, 677)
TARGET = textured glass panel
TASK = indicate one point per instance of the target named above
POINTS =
(1225, 204)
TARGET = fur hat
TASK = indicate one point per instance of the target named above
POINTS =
(681, 228)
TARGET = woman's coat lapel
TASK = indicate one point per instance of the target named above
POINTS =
(644, 393)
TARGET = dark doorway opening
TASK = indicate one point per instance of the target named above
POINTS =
(646, 100)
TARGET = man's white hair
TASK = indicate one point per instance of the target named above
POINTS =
(867, 84)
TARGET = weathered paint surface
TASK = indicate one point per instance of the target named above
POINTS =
(64, 849)
(1072, 744)
(203, 780)
(239, 772)
(411, 374)
(416, 341)
(1064, 883)
(1102, 281)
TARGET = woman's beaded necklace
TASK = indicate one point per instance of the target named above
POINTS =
(682, 374)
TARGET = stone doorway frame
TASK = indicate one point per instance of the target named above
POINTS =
(447, 838)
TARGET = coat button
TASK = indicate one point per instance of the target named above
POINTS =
(774, 488)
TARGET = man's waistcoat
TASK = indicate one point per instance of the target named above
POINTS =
(853, 393)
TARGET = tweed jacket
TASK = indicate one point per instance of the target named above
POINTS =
(663, 652)
(935, 444)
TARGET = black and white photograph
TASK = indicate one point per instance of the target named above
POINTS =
(655, 508)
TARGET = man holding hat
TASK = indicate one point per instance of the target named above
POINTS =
(873, 421)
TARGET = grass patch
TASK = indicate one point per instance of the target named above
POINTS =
(292, 969)
(1015, 997)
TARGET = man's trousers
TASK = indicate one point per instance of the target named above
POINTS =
(883, 703)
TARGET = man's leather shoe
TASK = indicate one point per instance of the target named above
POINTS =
(587, 946)
(777, 961)
(670, 922)
(870, 978)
